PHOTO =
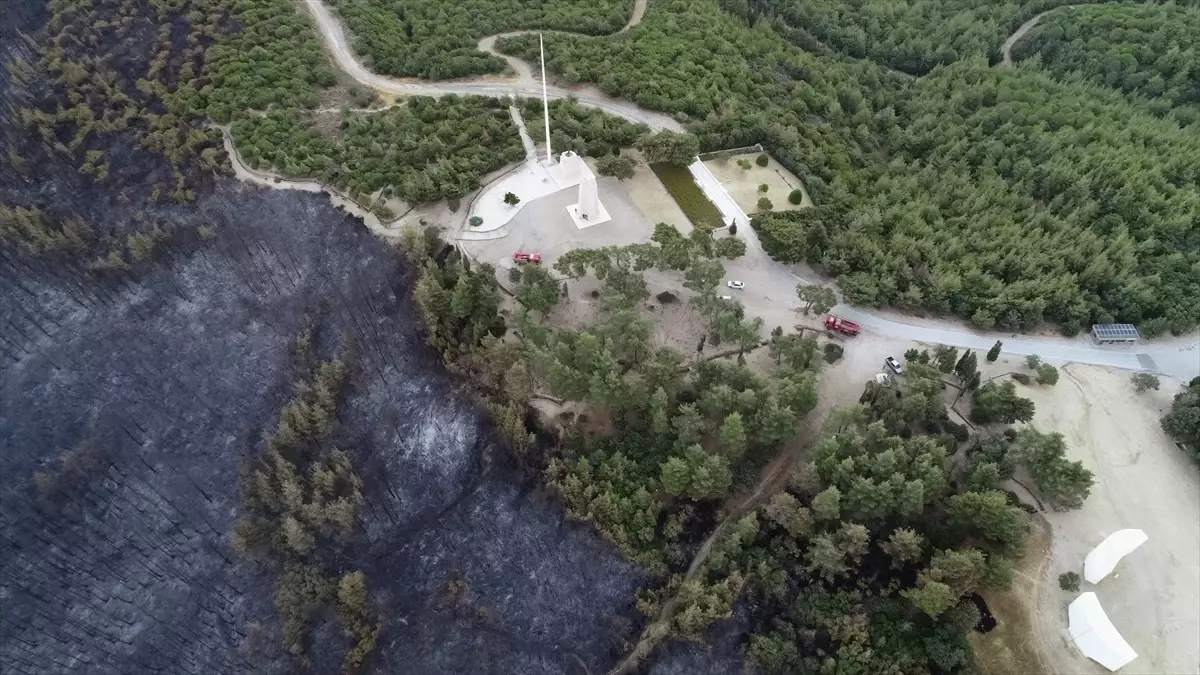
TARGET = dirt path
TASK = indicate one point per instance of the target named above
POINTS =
(1006, 50)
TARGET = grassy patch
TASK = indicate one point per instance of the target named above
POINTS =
(691, 199)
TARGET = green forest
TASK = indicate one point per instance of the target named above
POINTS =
(913, 37)
(1151, 51)
(1006, 197)
(585, 131)
(426, 150)
(862, 562)
(437, 40)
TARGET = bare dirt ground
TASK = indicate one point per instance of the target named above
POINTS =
(742, 184)
(1142, 481)
(653, 200)
(1013, 647)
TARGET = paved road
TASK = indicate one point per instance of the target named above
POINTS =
(1178, 358)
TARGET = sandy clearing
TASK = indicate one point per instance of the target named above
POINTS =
(652, 198)
(1142, 481)
(742, 184)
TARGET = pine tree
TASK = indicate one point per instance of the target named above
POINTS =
(994, 352)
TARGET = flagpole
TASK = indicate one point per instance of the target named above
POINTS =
(545, 101)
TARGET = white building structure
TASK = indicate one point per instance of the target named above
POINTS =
(538, 178)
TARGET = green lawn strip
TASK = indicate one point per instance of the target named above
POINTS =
(696, 206)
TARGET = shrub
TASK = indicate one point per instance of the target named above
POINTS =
(475, 221)
(1022, 378)
(620, 168)
(1047, 374)
(511, 199)
(666, 298)
(762, 160)
(1144, 381)
(833, 352)
(1069, 581)
(994, 352)
(765, 204)
(796, 197)
(514, 275)
(763, 188)
(744, 164)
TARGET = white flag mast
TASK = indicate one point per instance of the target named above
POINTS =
(545, 101)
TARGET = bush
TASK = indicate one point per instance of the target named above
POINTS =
(762, 160)
(514, 275)
(765, 204)
(763, 188)
(511, 199)
(833, 352)
(666, 298)
(1022, 378)
(620, 168)
(1144, 381)
(1047, 374)
(475, 221)
(1069, 581)
(744, 164)
(796, 197)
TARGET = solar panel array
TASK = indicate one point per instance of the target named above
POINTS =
(1115, 331)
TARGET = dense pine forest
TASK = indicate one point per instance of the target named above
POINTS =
(1150, 51)
(1007, 197)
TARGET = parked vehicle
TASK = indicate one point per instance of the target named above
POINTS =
(521, 258)
(735, 284)
(843, 326)
(894, 365)
(726, 297)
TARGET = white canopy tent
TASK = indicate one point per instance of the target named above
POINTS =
(1101, 561)
(1094, 634)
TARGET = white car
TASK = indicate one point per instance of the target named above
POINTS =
(726, 297)
(894, 365)
(735, 284)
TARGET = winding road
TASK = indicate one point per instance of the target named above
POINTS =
(1006, 50)
(525, 84)
(1177, 358)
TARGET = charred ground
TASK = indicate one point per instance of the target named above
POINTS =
(132, 395)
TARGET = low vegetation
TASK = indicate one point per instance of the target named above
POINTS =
(682, 187)
(422, 151)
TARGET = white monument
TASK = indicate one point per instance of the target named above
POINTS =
(571, 169)
(588, 210)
